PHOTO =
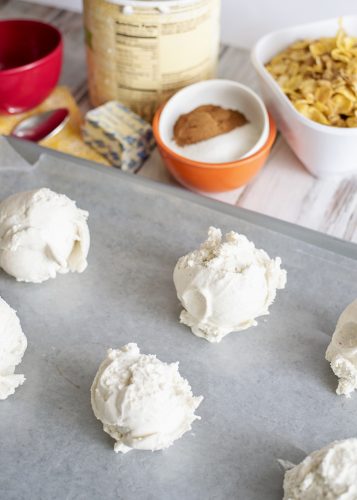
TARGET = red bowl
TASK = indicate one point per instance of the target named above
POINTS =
(30, 63)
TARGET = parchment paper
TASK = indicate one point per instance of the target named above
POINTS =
(268, 391)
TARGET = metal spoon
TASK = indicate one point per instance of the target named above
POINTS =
(37, 127)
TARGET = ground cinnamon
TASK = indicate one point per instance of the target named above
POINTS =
(206, 122)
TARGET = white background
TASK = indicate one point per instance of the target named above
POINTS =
(244, 21)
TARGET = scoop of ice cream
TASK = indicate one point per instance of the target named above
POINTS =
(226, 284)
(142, 402)
(42, 233)
(342, 351)
(326, 474)
(13, 344)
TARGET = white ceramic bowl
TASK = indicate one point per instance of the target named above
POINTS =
(225, 93)
(324, 150)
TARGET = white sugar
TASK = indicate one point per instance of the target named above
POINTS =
(221, 149)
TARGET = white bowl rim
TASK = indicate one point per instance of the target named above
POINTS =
(241, 86)
(259, 66)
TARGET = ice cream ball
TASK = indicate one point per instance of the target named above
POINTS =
(326, 474)
(42, 233)
(142, 402)
(342, 351)
(13, 345)
(226, 284)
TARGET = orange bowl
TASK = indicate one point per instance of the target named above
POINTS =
(212, 177)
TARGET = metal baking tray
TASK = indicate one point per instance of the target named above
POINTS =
(269, 393)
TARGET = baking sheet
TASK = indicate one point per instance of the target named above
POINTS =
(268, 391)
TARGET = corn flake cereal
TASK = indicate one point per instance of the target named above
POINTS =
(320, 78)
